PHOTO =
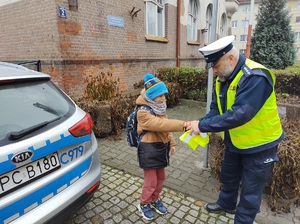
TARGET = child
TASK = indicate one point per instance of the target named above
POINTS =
(156, 144)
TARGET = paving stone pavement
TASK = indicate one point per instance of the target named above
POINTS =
(188, 187)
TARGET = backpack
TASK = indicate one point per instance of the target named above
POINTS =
(131, 126)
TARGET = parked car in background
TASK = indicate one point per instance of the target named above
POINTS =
(49, 161)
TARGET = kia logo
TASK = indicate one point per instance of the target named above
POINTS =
(21, 157)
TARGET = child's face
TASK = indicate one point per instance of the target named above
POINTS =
(160, 99)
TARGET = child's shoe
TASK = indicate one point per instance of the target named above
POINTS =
(146, 211)
(159, 207)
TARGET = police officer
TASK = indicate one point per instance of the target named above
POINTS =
(244, 110)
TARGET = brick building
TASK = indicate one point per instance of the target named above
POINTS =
(128, 38)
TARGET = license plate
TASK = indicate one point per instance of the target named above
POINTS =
(23, 175)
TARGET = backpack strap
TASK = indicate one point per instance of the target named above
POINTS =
(145, 107)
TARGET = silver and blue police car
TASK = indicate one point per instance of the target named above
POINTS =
(49, 161)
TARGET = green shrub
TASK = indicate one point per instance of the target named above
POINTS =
(191, 81)
(100, 90)
(168, 74)
(121, 107)
(101, 87)
(291, 70)
(288, 84)
(285, 181)
(174, 94)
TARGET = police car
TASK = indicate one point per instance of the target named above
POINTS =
(49, 162)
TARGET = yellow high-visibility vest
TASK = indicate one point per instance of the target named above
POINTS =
(264, 127)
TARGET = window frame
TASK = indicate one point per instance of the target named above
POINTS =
(245, 23)
(243, 37)
(234, 22)
(193, 12)
(159, 26)
(208, 17)
(223, 25)
(246, 8)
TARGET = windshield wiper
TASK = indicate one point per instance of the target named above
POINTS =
(19, 134)
(46, 108)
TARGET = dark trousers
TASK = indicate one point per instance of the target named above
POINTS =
(250, 172)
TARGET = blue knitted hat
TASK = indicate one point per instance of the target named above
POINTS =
(154, 87)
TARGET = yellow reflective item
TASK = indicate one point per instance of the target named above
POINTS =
(194, 140)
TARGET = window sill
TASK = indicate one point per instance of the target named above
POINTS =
(191, 42)
(156, 38)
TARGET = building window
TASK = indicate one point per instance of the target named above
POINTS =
(243, 37)
(298, 3)
(246, 8)
(245, 23)
(242, 51)
(192, 20)
(297, 19)
(234, 24)
(223, 26)
(155, 18)
(208, 23)
(297, 35)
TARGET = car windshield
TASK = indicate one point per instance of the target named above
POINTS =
(25, 105)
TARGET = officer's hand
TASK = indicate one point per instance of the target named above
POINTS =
(194, 127)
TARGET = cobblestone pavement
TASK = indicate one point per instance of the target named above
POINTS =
(188, 186)
(117, 199)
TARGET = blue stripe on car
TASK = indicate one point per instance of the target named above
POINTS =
(49, 148)
(52, 188)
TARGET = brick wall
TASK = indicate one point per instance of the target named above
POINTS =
(83, 43)
(85, 34)
(28, 31)
(70, 75)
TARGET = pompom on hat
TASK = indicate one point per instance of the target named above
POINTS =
(213, 52)
(154, 87)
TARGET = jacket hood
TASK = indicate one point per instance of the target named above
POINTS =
(141, 100)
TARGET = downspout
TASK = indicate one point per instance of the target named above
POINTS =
(178, 35)
(248, 46)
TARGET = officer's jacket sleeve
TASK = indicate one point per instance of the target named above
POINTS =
(250, 97)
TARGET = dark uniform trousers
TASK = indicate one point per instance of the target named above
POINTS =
(251, 172)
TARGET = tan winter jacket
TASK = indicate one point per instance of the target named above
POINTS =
(159, 128)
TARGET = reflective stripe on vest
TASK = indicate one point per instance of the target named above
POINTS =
(264, 127)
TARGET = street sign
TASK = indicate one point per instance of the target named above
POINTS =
(62, 12)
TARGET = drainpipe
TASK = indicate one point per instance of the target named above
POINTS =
(248, 46)
(178, 34)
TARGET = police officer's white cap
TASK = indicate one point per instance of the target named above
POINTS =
(213, 52)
